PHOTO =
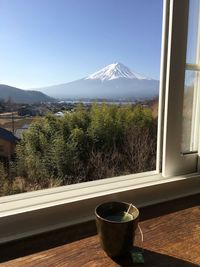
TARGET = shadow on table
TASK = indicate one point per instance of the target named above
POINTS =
(31, 245)
(154, 259)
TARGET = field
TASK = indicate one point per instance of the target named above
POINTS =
(9, 122)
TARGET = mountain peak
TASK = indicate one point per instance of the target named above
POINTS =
(115, 71)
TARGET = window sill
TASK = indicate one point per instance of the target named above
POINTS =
(37, 212)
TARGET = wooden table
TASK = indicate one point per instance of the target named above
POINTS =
(171, 238)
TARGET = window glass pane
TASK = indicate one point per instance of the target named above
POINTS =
(193, 35)
(190, 123)
(88, 110)
(190, 112)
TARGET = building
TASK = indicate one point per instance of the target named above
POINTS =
(7, 143)
(59, 114)
(19, 131)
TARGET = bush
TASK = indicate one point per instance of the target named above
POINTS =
(4, 184)
(85, 145)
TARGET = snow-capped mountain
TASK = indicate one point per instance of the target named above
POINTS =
(115, 81)
(115, 71)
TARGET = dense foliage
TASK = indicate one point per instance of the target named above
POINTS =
(85, 145)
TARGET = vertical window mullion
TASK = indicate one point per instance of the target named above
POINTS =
(163, 64)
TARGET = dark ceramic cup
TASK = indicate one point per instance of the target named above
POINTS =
(116, 237)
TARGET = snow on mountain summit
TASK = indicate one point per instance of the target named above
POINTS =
(115, 71)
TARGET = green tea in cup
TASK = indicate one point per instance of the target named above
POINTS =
(119, 217)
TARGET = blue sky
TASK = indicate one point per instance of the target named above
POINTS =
(194, 11)
(46, 42)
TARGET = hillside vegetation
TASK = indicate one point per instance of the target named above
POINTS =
(85, 145)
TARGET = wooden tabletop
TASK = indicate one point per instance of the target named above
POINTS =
(171, 238)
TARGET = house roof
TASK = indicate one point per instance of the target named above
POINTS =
(59, 114)
(19, 131)
(8, 136)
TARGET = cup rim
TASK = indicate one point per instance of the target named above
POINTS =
(115, 222)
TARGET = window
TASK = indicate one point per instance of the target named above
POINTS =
(179, 118)
(191, 92)
(100, 119)
(49, 209)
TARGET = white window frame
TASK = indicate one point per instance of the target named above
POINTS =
(175, 162)
(31, 213)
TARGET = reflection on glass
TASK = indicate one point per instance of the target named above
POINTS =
(190, 111)
(193, 28)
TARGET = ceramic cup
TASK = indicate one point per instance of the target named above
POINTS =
(115, 227)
